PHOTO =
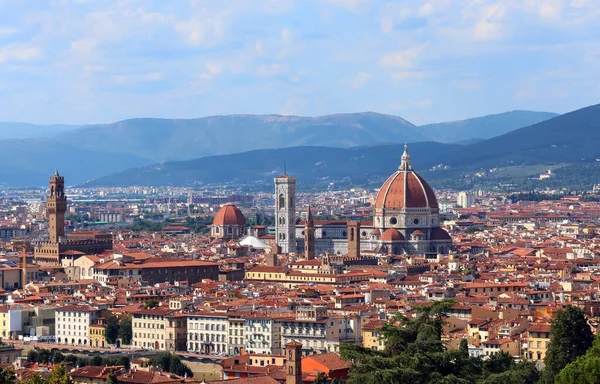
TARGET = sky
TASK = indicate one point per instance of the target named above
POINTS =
(86, 61)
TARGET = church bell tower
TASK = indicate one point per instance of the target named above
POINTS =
(285, 213)
(309, 236)
(56, 205)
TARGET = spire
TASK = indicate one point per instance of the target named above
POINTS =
(405, 163)
(56, 172)
(309, 218)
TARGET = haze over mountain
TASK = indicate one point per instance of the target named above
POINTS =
(484, 127)
(572, 138)
(31, 162)
(136, 142)
(168, 139)
(309, 164)
(33, 131)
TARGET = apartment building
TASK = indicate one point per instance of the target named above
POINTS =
(207, 332)
(319, 332)
(149, 328)
(262, 334)
(235, 329)
(73, 322)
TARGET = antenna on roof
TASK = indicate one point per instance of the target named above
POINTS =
(284, 168)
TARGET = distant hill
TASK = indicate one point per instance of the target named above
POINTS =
(168, 139)
(311, 165)
(31, 162)
(33, 131)
(572, 137)
(484, 127)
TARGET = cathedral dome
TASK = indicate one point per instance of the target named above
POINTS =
(391, 234)
(229, 214)
(405, 189)
(440, 234)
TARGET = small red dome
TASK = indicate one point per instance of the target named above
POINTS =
(376, 232)
(391, 234)
(418, 232)
(229, 215)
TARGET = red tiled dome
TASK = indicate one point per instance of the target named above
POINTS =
(405, 189)
(439, 234)
(391, 234)
(229, 215)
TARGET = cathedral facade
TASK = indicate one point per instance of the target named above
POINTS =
(405, 221)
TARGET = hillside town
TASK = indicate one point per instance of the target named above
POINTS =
(270, 287)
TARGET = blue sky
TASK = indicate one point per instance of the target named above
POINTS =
(86, 61)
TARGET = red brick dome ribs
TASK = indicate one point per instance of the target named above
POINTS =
(405, 189)
(229, 215)
(391, 234)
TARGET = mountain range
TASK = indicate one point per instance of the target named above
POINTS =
(89, 152)
(571, 139)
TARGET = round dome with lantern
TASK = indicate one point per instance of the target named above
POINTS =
(406, 203)
(229, 222)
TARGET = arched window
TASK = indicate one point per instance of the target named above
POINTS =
(281, 201)
(351, 234)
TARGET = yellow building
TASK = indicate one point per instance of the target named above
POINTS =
(9, 354)
(539, 339)
(149, 328)
(370, 336)
(97, 334)
(294, 277)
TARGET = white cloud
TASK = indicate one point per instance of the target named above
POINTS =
(6, 31)
(404, 59)
(83, 47)
(272, 69)
(349, 5)
(213, 69)
(286, 36)
(153, 76)
(360, 79)
(425, 103)
(19, 53)
(258, 48)
(198, 32)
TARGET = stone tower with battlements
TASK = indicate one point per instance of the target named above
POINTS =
(56, 205)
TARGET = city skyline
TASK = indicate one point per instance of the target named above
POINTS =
(81, 61)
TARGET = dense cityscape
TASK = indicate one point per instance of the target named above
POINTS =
(286, 286)
(299, 192)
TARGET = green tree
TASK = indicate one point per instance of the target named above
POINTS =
(320, 379)
(60, 375)
(57, 357)
(33, 356)
(36, 378)
(44, 356)
(96, 361)
(7, 375)
(111, 330)
(571, 337)
(464, 348)
(112, 378)
(152, 303)
(585, 369)
(125, 332)
(171, 363)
